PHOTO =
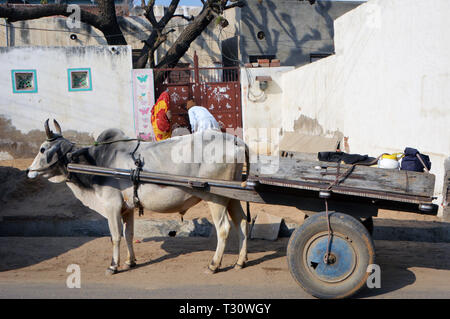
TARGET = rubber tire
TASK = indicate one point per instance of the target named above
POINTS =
(345, 226)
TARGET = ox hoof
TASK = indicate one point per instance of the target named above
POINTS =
(239, 266)
(110, 271)
(210, 270)
(129, 266)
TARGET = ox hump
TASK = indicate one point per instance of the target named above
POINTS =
(111, 134)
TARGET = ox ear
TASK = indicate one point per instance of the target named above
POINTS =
(58, 127)
(49, 132)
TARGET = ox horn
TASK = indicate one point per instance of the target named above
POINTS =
(49, 133)
(58, 127)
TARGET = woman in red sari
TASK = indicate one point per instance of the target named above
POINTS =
(161, 117)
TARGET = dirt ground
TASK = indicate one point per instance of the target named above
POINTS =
(174, 268)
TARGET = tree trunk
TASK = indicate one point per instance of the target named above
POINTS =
(109, 25)
(146, 52)
(113, 35)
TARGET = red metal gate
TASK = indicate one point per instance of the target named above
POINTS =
(217, 89)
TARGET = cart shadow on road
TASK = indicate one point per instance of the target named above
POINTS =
(175, 247)
(397, 260)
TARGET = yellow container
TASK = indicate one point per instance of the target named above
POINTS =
(395, 156)
(390, 161)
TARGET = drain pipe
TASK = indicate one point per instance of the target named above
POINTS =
(6, 32)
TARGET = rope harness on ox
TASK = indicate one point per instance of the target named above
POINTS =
(135, 178)
(134, 174)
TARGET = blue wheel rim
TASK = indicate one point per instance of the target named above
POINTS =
(342, 256)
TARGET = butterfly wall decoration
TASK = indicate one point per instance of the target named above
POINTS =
(142, 78)
(144, 110)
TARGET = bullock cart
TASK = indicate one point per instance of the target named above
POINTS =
(331, 253)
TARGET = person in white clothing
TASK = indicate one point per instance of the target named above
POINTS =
(200, 118)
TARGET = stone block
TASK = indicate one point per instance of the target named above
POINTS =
(266, 226)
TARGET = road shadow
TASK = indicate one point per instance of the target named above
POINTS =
(20, 252)
(411, 230)
(396, 258)
(176, 246)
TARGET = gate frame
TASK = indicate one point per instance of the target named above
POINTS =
(190, 77)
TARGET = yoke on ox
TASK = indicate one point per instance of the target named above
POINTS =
(114, 198)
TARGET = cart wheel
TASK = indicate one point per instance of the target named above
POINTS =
(351, 251)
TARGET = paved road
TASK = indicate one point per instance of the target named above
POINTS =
(102, 291)
(173, 268)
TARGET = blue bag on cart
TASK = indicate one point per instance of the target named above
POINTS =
(410, 162)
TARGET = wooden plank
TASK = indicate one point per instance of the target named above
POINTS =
(362, 177)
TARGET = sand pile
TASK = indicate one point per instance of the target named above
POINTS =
(20, 196)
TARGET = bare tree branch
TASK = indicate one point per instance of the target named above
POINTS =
(161, 39)
(170, 12)
(170, 31)
(149, 13)
(191, 18)
(239, 4)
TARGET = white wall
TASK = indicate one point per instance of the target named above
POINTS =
(262, 110)
(108, 105)
(387, 87)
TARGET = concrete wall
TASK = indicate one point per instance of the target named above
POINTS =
(387, 87)
(84, 113)
(293, 29)
(50, 31)
(262, 110)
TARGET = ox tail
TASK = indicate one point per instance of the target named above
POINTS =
(247, 172)
(247, 161)
(247, 169)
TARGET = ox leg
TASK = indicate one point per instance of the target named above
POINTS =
(240, 221)
(222, 224)
(128, 224)
(115, 225)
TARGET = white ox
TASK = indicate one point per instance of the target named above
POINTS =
(113, 198)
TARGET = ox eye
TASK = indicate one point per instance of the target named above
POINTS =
(42, 150)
